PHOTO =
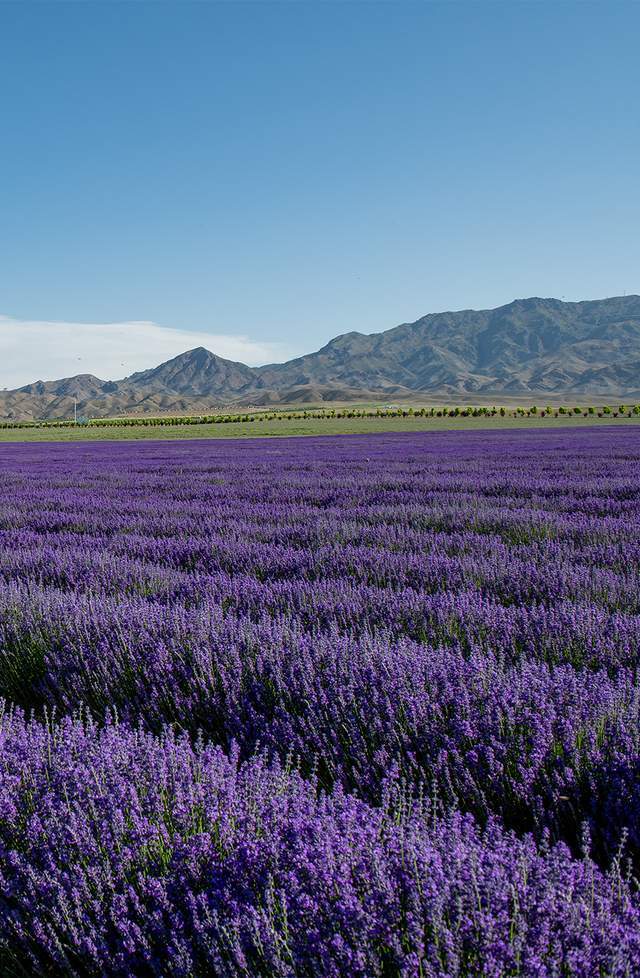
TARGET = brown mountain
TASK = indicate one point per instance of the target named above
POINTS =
(528, 347)
(196, 373)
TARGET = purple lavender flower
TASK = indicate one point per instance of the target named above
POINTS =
(301, 640)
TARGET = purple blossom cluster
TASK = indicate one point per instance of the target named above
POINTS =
(358, 706)
(156, 856)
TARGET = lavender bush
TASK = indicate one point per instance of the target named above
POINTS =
(354, 706)
(124, 854)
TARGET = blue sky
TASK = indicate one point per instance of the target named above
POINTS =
(265, 176)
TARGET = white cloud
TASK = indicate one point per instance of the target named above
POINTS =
(33, 350)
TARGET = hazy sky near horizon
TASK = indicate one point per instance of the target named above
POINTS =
(264, 176)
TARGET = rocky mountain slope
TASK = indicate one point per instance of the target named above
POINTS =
(531, 347)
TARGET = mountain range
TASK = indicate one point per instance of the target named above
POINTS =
(530, 347)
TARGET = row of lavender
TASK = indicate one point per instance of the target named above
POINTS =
(445, 616)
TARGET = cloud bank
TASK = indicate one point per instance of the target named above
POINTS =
(33, 350)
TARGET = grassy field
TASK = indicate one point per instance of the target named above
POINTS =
(301, 426)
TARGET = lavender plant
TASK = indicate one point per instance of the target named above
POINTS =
(234, 672)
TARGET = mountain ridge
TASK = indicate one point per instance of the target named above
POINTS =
(528, 347)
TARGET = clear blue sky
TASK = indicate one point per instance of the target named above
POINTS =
(290, 171)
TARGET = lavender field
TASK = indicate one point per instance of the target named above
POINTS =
(360, 706)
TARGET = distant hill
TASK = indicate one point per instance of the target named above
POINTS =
(197, 373)
(530, 347)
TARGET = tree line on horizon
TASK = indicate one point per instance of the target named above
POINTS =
(621, 410)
